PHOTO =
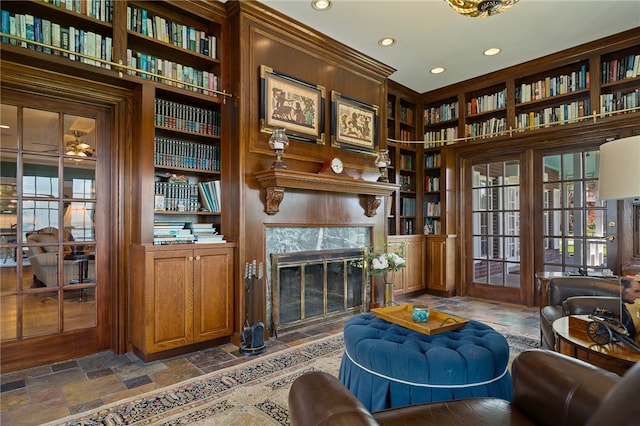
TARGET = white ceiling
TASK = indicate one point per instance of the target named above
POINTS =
(429, 33)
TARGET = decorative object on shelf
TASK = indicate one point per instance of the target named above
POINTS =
(333, 167)
(480, 8)
(292, 104)
(353, 123)
(619, 161)
(386, 263)
(382, 162)
(278, 142)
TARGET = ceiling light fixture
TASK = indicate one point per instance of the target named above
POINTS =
(491, 51)
(480, 8)
(321, 4)
(387, 41)
(437, 70)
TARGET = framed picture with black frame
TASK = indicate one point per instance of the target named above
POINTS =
(354, 123)
(291, 104)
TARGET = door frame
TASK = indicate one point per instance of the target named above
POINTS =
(525, 293)
(117, 102)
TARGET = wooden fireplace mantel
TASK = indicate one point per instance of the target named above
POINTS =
(276, 181)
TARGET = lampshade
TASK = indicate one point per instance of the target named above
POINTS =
(480, 8)
(620, 169)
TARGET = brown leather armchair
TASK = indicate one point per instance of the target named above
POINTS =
(575, 296)
(548, 389)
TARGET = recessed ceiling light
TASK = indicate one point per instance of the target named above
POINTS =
(437, 70)
(387, 41)
(321, 4)
(491, 51)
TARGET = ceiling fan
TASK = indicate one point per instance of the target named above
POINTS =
(74, 146)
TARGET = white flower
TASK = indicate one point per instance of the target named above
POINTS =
(380, 262)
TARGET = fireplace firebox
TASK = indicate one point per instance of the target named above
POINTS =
(309, 287)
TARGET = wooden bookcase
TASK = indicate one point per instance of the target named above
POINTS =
(405, 215)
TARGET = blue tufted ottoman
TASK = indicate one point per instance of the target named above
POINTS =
(386, 365)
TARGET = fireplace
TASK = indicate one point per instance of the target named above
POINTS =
(309, 254)
(308, 287)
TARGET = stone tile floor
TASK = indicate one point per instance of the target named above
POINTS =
(42, 394)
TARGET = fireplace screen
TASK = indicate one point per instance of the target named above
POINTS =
(312, 286)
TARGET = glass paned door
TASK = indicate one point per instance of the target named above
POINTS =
(495, 193)
(50, 175)
(574, 219)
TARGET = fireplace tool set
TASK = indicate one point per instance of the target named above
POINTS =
(253, 329)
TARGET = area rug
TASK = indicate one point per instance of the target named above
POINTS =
(254, 393)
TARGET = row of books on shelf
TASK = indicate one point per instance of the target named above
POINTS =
(432, 161)
(176, 197)
(165, 233)
(407, 226)
(178, 75)
(486, 103)
(210, 195)
(170, 152)
(553, 86)
(444, 112)
(487, 127)
(406, 114)
(553, 116)
(408, 206)
(175, 33)
(175, 115)
(432, 226)
(407, 161)
(621, 68)
(101, 10)
(431, 208)
(406, 182)
(52, 34)
(611, 102)
(406, 135)
(432, 183)
(434, 138)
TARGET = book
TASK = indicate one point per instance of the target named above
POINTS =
(5, 26)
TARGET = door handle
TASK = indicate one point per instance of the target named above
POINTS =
(610, 238)
(197, 257)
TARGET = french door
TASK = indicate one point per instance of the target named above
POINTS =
(494, 237)
(54, 217)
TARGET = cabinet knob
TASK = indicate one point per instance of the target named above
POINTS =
(190, 258)
(197, 257)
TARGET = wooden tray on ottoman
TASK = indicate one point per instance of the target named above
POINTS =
(439, 322)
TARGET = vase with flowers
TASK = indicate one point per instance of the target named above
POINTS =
(387, 264)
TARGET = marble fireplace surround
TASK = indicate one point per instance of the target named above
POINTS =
(295, 239)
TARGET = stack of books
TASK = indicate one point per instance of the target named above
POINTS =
(172, 233)
(205, 233)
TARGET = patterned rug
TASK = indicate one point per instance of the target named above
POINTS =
(254, 393)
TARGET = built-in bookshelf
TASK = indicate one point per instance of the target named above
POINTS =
(433, 184)
(404, 214)
(187, 161)
(585, 85)
(620, 81)
(77, 31)
(486, 112)
(441, 122)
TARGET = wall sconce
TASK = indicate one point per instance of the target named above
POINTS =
(278, 142)
(382, 162)
(619, 174)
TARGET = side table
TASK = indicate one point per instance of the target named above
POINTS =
(616, 356)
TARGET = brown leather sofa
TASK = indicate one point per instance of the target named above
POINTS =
(575, 296)
(548, 389)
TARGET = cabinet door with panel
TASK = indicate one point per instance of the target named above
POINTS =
(213, 293)
(180, 297)
(440, 255)
(410, 278)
